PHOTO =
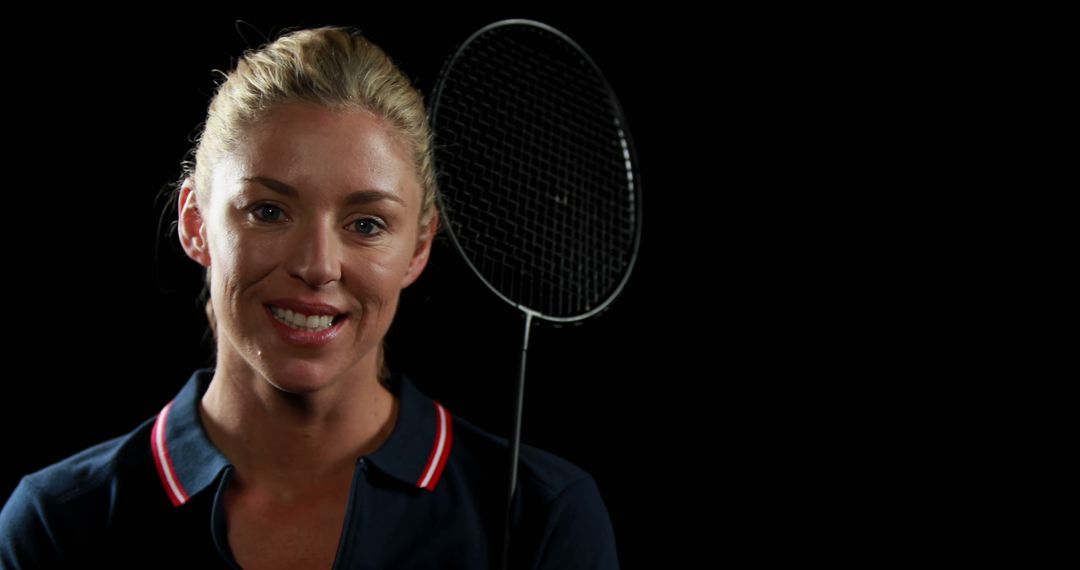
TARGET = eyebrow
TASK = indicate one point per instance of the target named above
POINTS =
(359, 197)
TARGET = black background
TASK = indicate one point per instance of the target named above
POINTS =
(695, 401)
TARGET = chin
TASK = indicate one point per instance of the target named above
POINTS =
(302, 378)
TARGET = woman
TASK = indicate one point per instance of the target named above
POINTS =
(311, 204)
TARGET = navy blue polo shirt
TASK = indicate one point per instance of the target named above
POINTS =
(430, 497)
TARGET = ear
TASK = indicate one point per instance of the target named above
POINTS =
(423, 250)
(192, 224)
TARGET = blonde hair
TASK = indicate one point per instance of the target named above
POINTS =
(334, 66)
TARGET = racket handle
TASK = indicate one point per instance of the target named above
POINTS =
(515, 444)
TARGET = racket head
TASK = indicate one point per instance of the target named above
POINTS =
(539, 180)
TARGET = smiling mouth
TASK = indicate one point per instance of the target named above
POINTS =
(299, 321)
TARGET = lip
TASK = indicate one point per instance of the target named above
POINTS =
(307, 308)
(307, 338)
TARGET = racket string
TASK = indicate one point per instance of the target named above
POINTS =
(540, 202)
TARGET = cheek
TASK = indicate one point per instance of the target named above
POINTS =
(376, 280)
(241, 259)
(375, 277)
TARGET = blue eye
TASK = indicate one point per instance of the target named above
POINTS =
(269, 213)
(265, 207)
(368, 226)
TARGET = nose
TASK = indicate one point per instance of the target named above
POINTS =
(315, 254)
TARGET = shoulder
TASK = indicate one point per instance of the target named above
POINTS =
(64, 504)
(560, 518)
(543, 472)
(91, 469)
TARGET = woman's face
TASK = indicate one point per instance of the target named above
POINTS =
(315, 206)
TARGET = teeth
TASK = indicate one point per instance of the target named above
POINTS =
(301, 321)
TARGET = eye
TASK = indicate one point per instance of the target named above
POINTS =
(275, 212)
(368, 226)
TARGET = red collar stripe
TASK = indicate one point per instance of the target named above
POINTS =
(440, 451)
(163, 461)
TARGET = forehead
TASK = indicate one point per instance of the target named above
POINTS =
(329, 152)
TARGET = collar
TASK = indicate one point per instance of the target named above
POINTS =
(417, 449)
(187, 461)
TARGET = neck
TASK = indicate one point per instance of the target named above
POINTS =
(290, 440)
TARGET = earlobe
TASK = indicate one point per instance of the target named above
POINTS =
(191, 225)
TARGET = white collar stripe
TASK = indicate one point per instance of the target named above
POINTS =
(437, 460)
(163, 461)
